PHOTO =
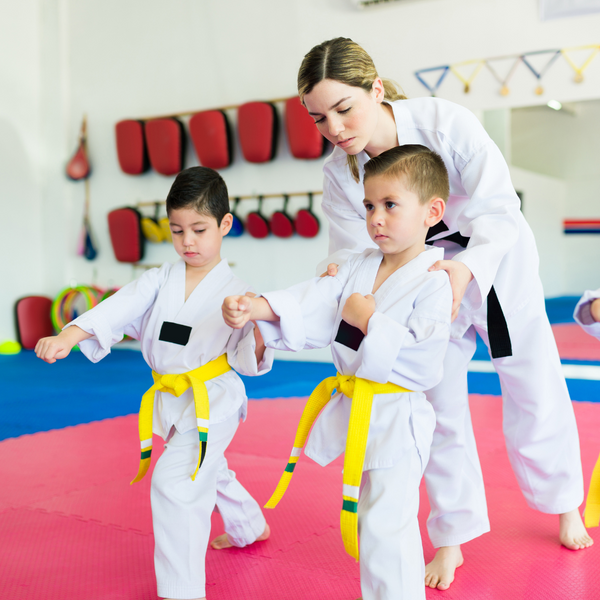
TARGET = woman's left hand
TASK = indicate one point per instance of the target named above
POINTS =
(460, 276)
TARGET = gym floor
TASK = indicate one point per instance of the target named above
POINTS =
(71, 526)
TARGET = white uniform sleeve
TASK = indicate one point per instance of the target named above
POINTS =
(490, 219)
(347, 229)
(583, 314)
(119, 315)
(241, 352)
(307, 313)
(410, 356)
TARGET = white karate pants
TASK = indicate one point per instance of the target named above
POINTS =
(391, 552)
(181, 509)
(538, 423)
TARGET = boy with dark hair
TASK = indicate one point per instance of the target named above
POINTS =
(197, 400)
(387, 318)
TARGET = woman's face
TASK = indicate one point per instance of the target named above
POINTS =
(345, 115)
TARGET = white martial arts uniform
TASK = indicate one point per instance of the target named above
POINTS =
(181, 508)
(539, 424)
(583, 314)
(405, 344)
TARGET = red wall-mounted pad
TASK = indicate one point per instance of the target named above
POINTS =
(258, 129)
(131, 147)
(256, 225)
(281, 225)
(33, 320)
(306, 223)
(211, 136)
(166, 145)
(303, 136)
(126, 234)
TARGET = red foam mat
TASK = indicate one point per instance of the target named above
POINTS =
(575, 344)
(71, 526)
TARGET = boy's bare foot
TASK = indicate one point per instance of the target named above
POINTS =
(439, 573)
(573, 534)
(222, 541)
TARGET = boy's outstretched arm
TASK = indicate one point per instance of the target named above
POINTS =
(56, 347)
(238, 310)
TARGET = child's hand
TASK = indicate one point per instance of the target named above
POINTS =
(52, 348)
(332, 270)
(237, 311)
(595, 310)
(358, 310)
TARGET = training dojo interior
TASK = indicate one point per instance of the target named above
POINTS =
(69, 522)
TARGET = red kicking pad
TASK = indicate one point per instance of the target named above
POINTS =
(282, 225)
(211, 136)
(32, 316)
(258, 128)
(306, 222)
(166, 145)
(256, 223)
(124, 226)
(303, 136)
(131, 147)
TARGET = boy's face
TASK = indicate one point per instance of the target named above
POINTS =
(396, 220)
(197, 237)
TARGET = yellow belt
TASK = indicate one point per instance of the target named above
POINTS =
(361, 391)
(177, 385)
(592, 504)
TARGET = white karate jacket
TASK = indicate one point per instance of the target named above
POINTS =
(482, 205)
(405, 344)
(139, 310)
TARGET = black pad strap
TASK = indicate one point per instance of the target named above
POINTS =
(175, 333)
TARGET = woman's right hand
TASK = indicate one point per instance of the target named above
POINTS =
(332, 270)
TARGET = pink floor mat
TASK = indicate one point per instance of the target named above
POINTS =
(71, 526)
(575, 344)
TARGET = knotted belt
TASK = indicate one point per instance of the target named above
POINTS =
(500, 344)
(361, 391)
(177, 385)
(592, 504)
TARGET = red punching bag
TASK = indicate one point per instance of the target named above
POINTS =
(79, 167)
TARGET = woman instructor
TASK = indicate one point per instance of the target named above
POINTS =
(492, 263)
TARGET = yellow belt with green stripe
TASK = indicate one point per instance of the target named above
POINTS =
(361, 391)
(177, 385)
(592, 504)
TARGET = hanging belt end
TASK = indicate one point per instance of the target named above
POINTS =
(143, 468)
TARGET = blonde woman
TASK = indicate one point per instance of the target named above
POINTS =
(492, 261)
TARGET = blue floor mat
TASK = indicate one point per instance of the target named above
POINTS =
(37, 396)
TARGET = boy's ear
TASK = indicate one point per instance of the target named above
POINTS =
(435, 212)
(226, 223)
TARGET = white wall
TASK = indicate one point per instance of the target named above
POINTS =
(21, 246)
(564, 146)
(115, 59)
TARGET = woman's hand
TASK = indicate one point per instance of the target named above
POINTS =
(332, 270)
(358, 310)
(460, 276)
